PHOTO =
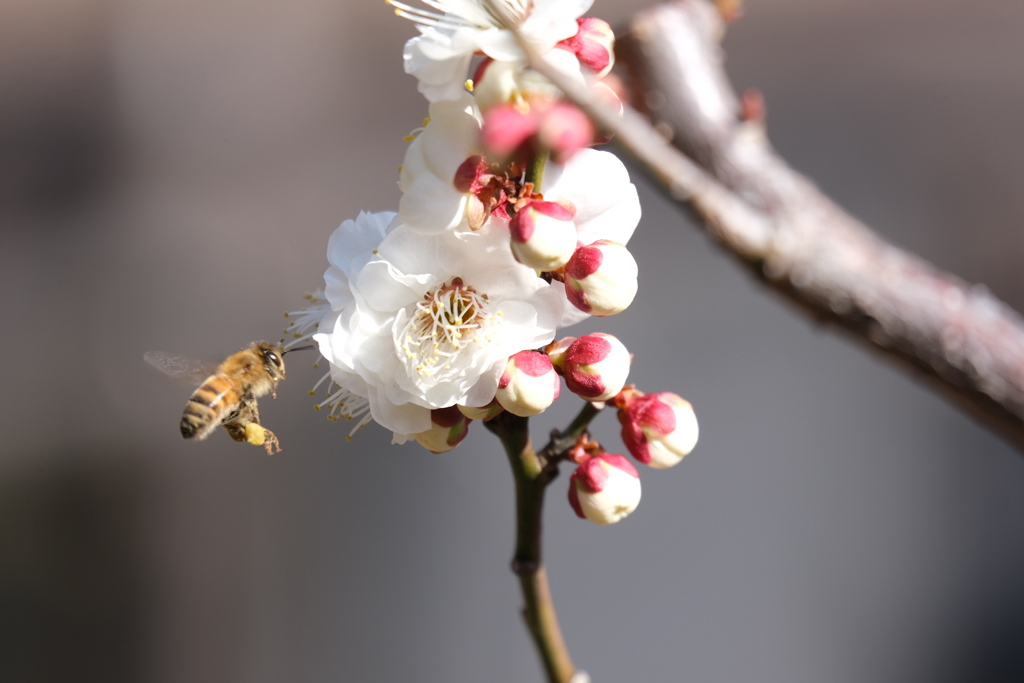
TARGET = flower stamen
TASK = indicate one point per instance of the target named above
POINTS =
(446, 321)
(344, 405)
(303, 324)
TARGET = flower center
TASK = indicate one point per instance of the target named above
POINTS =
(448, 319)
(493, 189)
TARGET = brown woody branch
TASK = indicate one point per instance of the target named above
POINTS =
(708, 149)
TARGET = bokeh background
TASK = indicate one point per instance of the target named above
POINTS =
(170, 171)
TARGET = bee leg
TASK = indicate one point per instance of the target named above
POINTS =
(254, 433)
(271, 443)
(245, 426)
(237, 430)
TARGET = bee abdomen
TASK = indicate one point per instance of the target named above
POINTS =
(206, 407)
(197, 415)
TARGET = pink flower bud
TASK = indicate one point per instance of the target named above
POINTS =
(658, 429)
(505, 128)
(448, 428)
(600, 278)
(543, 235)
(529, 384)
(483, 412)
(605, 488)
(596, 366)
(565, 130)
(593, 45)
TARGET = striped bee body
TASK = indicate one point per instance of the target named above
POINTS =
(210, 405)
(228, 397)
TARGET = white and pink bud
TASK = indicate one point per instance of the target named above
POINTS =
(447, 430)
(658, 429)
(593, 45)
(529, 384)
(605, 488)
(483, 413)
(601, 278)
(595, 366)
(543, 235)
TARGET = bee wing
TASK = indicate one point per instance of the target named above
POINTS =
(180, 368)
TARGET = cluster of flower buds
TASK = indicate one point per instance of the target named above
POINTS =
(657, 429)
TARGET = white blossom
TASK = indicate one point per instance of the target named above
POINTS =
(421, 322)
(449, 37)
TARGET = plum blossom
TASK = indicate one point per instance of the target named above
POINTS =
(420, 322)
(440, 56)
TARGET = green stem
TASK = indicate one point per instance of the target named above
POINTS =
(535, 170)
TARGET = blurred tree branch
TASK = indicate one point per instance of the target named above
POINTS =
(708, 150)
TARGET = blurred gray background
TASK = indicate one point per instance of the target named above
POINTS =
(170, 171)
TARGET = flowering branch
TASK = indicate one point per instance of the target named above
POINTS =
(509, 229)
(719, 164)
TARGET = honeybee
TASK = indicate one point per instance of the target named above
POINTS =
(228, 396)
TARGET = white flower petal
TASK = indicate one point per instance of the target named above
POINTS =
(401, 419)
(597, 183)
(430, 202)
(440, 70)
(348, 249)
